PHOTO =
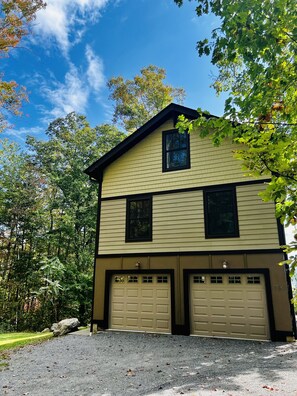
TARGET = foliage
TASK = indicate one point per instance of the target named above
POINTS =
(255, 52)
(138, 100)
(15, 19)
(291, 251)
(48, 216)
(21, 230)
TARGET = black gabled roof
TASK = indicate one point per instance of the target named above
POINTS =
(171, 111)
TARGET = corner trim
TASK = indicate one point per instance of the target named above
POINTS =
(281, 232)
(290, 296)
(96, 246)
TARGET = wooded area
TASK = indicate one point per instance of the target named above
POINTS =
(48, 219)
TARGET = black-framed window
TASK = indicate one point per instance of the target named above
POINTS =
(220, 213)
(176, 150)
(139, 219)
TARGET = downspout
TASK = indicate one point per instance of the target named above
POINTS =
(99, 181)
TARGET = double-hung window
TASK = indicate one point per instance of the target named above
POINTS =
(176, 150)
(139, 219)
(220, 213)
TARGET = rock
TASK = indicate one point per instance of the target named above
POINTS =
(65, 326)
(54, 327)
(46, 330)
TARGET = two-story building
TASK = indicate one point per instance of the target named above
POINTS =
(185, 245)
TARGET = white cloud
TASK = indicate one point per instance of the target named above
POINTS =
(72, 95)
(95, 72)
(65, 20)
(21, 133)
(74, 92)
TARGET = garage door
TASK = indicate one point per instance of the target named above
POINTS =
(224, 305)
(140, 303)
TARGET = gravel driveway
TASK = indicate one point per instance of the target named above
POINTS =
(114, 363)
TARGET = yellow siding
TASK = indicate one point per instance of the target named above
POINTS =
(178, 225)
(139, 170)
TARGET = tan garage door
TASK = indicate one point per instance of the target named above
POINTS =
(224, 305)
(140, 303)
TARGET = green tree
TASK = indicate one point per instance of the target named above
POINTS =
(15, 19)
(21, 231)
(48, 211)
(138, 100)
(52, 271)
(71, 204)
(255, 51)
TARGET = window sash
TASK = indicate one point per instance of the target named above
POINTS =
(176, 152)
(220, 213)
(139, 219)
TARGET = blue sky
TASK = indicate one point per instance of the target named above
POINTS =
(77, 45)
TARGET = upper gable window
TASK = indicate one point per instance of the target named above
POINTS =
(176, 150)
(139, 219)
(220, 211)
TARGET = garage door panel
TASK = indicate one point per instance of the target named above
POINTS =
(199, 310)
(199, 294)
(235, 295)
(118, 307)
(218, 312)
(256, 313)
(117, 321)
(216, 294)
(162, 293)
(148, 308)
(147, 293)
(141, 303)
(256, 295)
(132, 307)
(132, 293)
(131, 322)
(258, 330)
(236, 316)
(162, 308)
(147, 323)
(229, 306)
(119, 293)
(162, 325)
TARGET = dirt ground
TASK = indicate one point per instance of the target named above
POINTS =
(114, 363)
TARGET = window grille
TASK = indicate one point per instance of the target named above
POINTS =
(198, 279)
(216, 279)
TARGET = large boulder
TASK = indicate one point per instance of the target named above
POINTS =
(65, 326)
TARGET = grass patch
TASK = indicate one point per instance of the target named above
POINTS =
(15, 340)
(3, 365)
(10, 341)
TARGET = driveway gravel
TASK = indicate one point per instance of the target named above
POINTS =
(118, 363)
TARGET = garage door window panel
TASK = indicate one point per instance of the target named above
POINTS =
(234, 279)
(139, 220)
(220, 213)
